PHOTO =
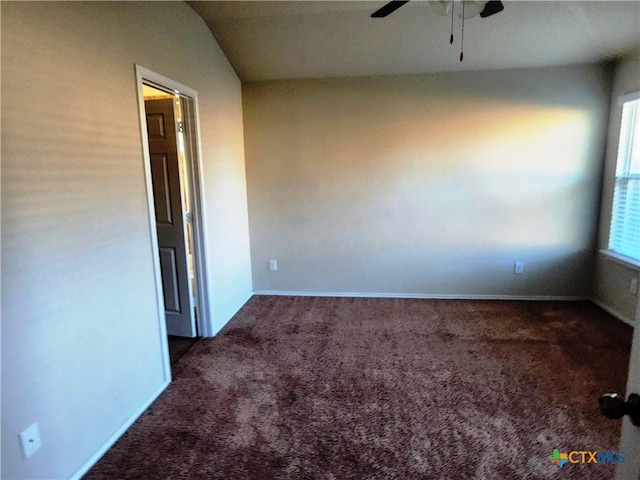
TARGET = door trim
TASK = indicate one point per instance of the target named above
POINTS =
(194, 172)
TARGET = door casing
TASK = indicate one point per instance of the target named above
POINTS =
(194, 179)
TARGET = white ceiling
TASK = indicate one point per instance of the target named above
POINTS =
(267, 40)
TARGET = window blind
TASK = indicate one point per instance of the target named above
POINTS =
(624, 236)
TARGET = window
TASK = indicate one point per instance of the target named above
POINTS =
(624, 236)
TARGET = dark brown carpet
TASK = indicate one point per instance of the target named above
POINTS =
(179, 346)
(344, 388)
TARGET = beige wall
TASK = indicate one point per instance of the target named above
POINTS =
(611, 280)
(427, 185)
(81, 345)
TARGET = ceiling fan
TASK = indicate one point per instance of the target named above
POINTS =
(470, 8)
(484, 9)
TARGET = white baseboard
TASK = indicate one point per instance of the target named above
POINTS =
(442, 296)
(118, 433)
(606, 308)
(613, 312)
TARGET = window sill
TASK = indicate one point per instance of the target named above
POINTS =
(621, 259)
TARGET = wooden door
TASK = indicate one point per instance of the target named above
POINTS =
(167, 197)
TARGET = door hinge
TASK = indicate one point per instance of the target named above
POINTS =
(181, 127)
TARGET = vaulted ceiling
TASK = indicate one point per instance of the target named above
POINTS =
(291, 39)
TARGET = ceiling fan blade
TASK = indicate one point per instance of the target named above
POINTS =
(493, 7)
(388, 8)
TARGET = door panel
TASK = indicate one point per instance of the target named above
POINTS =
(172, 244)
(630, 441)
(169, 271)
(161, 196)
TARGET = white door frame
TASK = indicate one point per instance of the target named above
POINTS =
(194, 174)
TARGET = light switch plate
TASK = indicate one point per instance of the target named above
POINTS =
(30, 440)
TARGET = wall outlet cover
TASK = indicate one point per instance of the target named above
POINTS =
(30, 440)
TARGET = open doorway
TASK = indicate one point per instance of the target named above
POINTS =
(171, 151)
(172, 206)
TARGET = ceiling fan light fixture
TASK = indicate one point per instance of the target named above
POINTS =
(472, 8)
(441, 7)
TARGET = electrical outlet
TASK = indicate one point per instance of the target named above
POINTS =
(518, 268)
(273, 265)
(30, 440)
(633, 286)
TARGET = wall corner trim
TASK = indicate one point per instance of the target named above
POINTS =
(118, 433)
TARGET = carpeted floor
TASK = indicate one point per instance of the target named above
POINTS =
(179, 346)
(355, 388)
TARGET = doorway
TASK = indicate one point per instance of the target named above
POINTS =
(172, 206)
(168, 118)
